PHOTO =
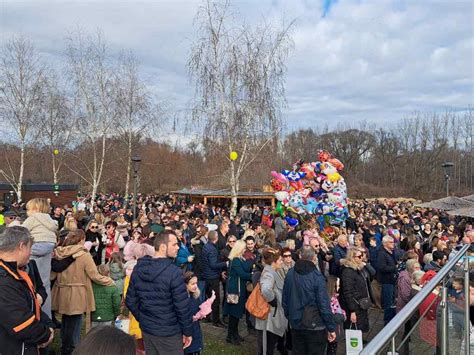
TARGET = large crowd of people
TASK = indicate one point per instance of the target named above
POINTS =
(157, 275)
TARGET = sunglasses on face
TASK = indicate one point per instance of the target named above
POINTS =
(358, 256)
(287, 256)
(110, 227)
(232, 241)
(94, 227)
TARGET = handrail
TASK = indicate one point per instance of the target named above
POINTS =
(392, 328)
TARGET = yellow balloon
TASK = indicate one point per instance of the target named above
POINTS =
(56, 152)
(233, 155)
(334, 177)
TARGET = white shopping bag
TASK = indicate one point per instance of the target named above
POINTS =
(354, 343)
(123, 324)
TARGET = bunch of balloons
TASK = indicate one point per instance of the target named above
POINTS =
(312, 189)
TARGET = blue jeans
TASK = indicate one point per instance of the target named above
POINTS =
(388, 302)
(41, 253)
(70, 332)
(202, 289)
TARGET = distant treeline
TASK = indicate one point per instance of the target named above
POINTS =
(403, 161)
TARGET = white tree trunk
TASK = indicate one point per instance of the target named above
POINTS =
(234, 186)
(55, 170)
(22, 170)
(129, 165)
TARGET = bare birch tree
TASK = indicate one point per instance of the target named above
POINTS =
(137, 112)
(21, 86)
(57, 125)
(239, 74)
(95, 99)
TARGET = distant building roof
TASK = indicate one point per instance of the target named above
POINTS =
(469, 198)
(449, 203)
(464, 212)
(223, 193)
(42, 187)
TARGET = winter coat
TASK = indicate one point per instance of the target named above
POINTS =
(239, 274)
(211, 267)
(386, 267)
(224, 254)
(158, 299)
(197, 246)
(197, 344)
(72, 292)
(107, 303)
(182, 258)
(221, 241)
(32, 270)
(236, 230)
(403, 290)
(117, 274)
(353, 288)
(283, 271)
(21, 328)
(96, 252)
(432, 266)
(42, 227)
(129, 251)
(334, 265)
(134, 327)
(280, 227)
(271, 284)
(373, 254)
(112, 245)
(428, 324)
(305, 286)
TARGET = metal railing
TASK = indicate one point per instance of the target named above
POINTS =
(389, 333)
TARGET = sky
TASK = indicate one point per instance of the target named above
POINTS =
(376, 61)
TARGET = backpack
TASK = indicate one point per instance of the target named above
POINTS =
(256, 305)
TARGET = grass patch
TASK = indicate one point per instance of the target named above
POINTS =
(213, 344)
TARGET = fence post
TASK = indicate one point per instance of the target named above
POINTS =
(443, 342)
(467, 321)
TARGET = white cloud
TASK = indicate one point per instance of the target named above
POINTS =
(373, 60)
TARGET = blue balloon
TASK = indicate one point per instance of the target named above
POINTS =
(292, 222)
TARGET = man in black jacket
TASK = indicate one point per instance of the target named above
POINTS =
(211, 271)
(24, 327)
(305, 300)
(387, 276)
(158, 299)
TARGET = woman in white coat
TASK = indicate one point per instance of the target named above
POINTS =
(272, 329)
(44, 230)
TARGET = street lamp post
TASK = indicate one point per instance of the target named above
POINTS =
(447, 166)
(136, 162)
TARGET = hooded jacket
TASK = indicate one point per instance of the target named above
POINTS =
(354, 286)
(158, 299)
(305, 286)
(42, 227)
(72, 292)
(22, 327)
